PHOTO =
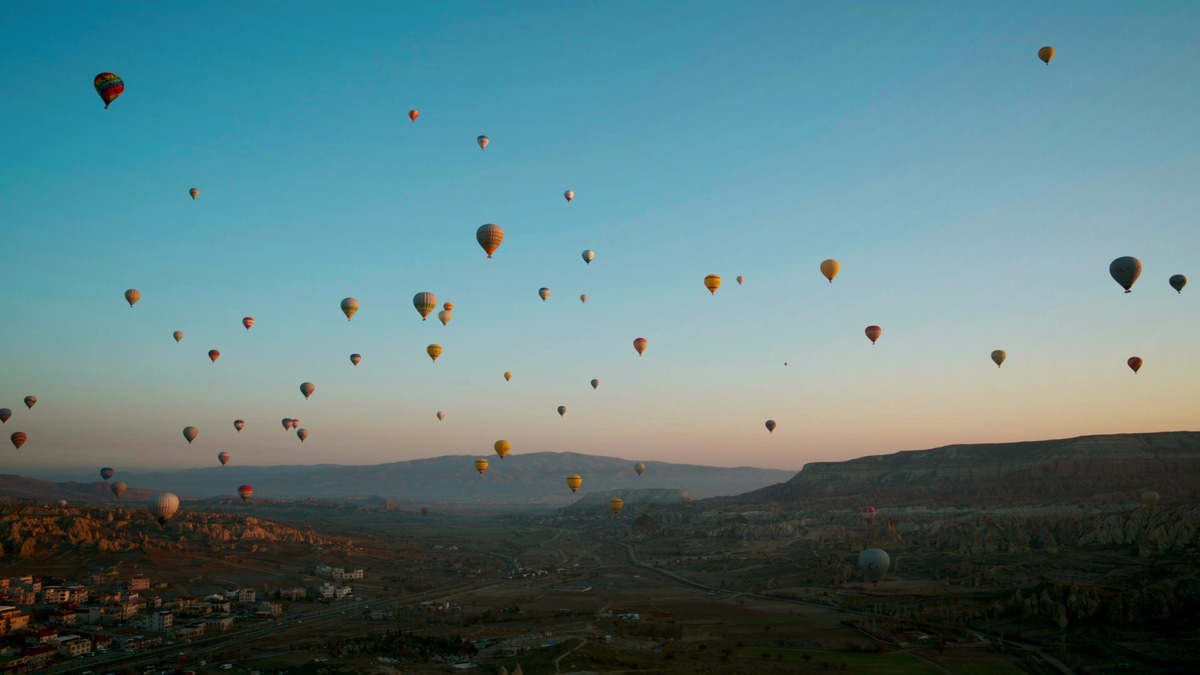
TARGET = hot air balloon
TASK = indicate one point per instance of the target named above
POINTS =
(223, 458)
(287, 423)
(62, 502)
(118, 488)
(639, 468)
(507, 376)
(562, 410)
(616, 504)
(998, 356)
(583, 298)
(213, 355)
(109, 86)
(424, 510)
(444, 316)
(483, 142)
(873, 333)
(30, 401)
(239, 424)
(18, 439)
(248, 321)
(569, 195)
(245, 491)
(868, 514)
(190, 433)
(307, 388)
(295, 422)
(874, 563)
(481, 465)
(107, 472)
(771, 426)
(434, 351)
(1125, 271)
(1045, 54)
(302, 434)
(448, 306)
(425, 302)
(830, 269)
(712, 282)
(194, 192)
(1178, 281)
(489, 236)
(543, 293)
(413, 114)
(640, 345)
(178, 335)
(502, 447)
(741, 280)
(574, 481)
(441, 415)
(349, 307)
(163, 507)
(132, 296)
(5, 414)
(595, 384)
(1135, 363)
(588, 256)
(1150, 499)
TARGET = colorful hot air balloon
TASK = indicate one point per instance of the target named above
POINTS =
(223, 458)
(30, 401)
(507, 375)
(109, 86)
(413, 114)
(588, 256)
(1125, 271)
(712, 282)
(868, 514)
(295, 422)
(5, 414)
(302, 434)
(481, 465)
(874, 563)
(190, 433)
(247, 321)
(639, 468)
(118, 488)
(178, 335)
(489, 236)
(194, 192)
(741, 280)
(245, 491)
(998, 356)
(1178, 281)
(355, 359)
(213, 355)
(502, 447)
(562, 410)
(1150, 499)
(595, 384)
(163, 506)
(132, 296)
(583, 298)
(307, 388)
(448, 306)
(1045, 54)
(444, 316)
(483, 142)
(239, 425)
(425, 302)
(18, 439)
(616, 504)
(434, 351)
(569, 195)
(771, 426)
(441, 415)
(349, 307)
(574, 481)
(640, 345)
(1135, 363)
(107, 472)
(873, 333)
(543, 293)
(287, 423)
(830, 269)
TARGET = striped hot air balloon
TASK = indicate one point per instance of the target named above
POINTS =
(223, 458)
(349, 307)
(248, 321)
(109, 86)
(245, 491)
(574, 481)
(18, 439)
(425, 302)
(489, 236)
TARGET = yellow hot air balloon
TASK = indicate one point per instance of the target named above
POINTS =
(639, 468)
(425, 302)
(830, 269)
(448, 306)
(616, 504)
(132, 296)
(1150, 499)
(998, 356)
(434, 351)
(574, 481)
(507, 376)
(502, 447)
(712, 282)
(349, 308)
(481, 465)
(1045, 54)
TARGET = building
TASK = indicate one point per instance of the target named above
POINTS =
(63, 617)
(218, 624)
(36, 637)
(70, 646)
(12, 620)
(345, 574)
(269, 609)
(246, 595)
(140, 643)
(139, 583)
(160, 621)
(55, 595)
(332, 592)
(40, 654)
(190, 631)
(293, 594)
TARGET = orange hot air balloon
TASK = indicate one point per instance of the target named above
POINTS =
(873, 333)
(830, 269)
(302, 434)
(18, 439)
(640, 345)
(355, 359)
(132, 296)
(502, 447)
(1135, 363)
(223, 458)
(190, 433)
(712, 282)
(194, 192)
(771, 426)
(448, 306)
(178, 335)
(349, 307)
(1045, 54)
(239, 424)
(213, 355)
(413, 114)
(483, 142)
(245, 491)
(616, 504)
(507, 376)
(574, 481)
(481, 465)
(248, 322)
(307, 388)
(489, 236)
(434, 351)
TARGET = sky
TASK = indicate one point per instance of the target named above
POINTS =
(973, 195)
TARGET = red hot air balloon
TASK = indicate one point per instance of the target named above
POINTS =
(1135, 363)
(239, 424)
(413, 114)
(640, 345)
(223, 458)
(18, 439)
(873, 333)
(248, 322)
(245, 491)
(109, 86)
(214, 355)
(868, 514)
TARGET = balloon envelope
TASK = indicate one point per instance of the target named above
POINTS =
(588, 256)
(507, 376)
(489, 236)
(434, 351)
(444, 316)
(248, 322)
(569, 195)
(441, 415)
(413, 114)
(194, 192)
(349, 308)
(239, 424)
(543, 293)
(132, 296)
(245, 491)
(213, 355)
(1125, 271)
(616, 504)
(18, 439)
(741, 280)
(483, 142)
(595, 384)
(998, 357)
(874, 563)
(639, 468)
(830, 269)
(307, 388)
(868, 514)
(5, 414)
(873, 333)
(1178, 281)
(448, 306)
(190, 433)
(1045, 54)
(502, 447)
(118, 488)
(302, 434)
(163, 507)
(424, 510)
(1150, 499)
(481, 465)
(712, 282)
(178, 335)
(30, 401)
(223, 458)
(771, 426)
(287, 423)
(574, 481)
(583, 298)
(1135, 363)
(107, 472)
(425, 302)
(562, 410)
(355, 359)
(109, 86)
(640, 345)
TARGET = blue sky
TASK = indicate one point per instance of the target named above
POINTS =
(973, 195)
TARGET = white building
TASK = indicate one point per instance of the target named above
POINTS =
(246, 595)
(70, 646)
(332, 592)
(161, 620)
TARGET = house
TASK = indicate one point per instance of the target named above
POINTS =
(269, 608)
(13, 662)
(139, 643)
(331, 592)
(246, 595)
(40, 654)
(55, 595)
(139, 583)
(12, 620)
(70, 646)
(218, 624)
(63, 617)
(36, 637)
(189, 631)
(159, 621)
(293, 594)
